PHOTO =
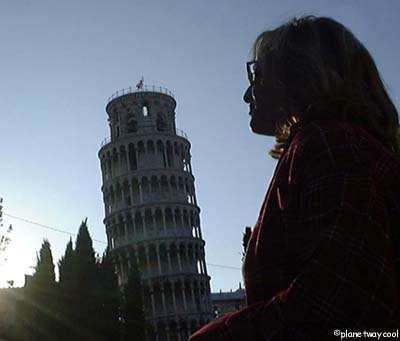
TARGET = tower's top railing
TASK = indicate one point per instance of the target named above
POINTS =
(144, 88)
(179, 132)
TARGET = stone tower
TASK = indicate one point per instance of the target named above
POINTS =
(151, 212)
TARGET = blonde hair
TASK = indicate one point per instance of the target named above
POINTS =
(326, 73)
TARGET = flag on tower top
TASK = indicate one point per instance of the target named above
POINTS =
(140, 84)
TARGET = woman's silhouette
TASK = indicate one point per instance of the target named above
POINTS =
(323, 257)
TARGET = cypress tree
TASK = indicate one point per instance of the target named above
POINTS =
(85, 265)
(66, 299)
(108, 299)
(66, 264)
(39, 308)
(245, 240)
(134, 320)
(77, 296)
(44, 269)
(83, 286)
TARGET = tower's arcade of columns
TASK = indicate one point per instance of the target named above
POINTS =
(151, 212)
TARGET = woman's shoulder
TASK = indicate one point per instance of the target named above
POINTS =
(326, 133)
(339, 144)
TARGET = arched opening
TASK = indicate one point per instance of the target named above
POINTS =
(135, 190)
(169, 219)
(159, 221)
(127, 197)
(161, 123)
(132, 125)
(145, 110)
(149, 222)
(170, 155)
(132, 157)
(154, 184)
(139, 224)
(150, 147)
(164, 184)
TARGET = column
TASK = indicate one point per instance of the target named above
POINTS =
(110, 167)
(134, 226)
(169, 259)
(140, 190)
(192, 293)
(118, 269)
(164, 221)
(204, 264)
(167, 332)
(207, 298)
(181, 219)
(108, 238)
(144, 224)
(146, 250)
(188, 266)
(169, 185)
(111, 202)
(200, 264)
(200, 298)
(136, 255)
(208, 289)
(119, 162)
(153, 303)
(128, 159)
(153, 217)
(128, 260)
(158, 258)
(125, 227)
(194, 196)
(163, 297)
(165, 158)
(121, 268)
(184, 181)
(137, 157)
(194, 261)
(184, 296)
(179, 259)
(156, 331)
(174, 220)
(199, 232)
(190, 164)
(126, 269)
(131, 191)
(173, 296)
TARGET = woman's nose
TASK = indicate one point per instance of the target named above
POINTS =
(247, 97)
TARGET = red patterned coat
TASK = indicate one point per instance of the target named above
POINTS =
(321, 259)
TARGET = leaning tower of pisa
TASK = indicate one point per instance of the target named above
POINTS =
(151, 212)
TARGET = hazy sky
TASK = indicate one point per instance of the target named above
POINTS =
(60, 62)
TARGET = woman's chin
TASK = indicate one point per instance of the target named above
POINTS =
(261, 128)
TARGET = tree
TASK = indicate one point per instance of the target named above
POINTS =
(134, 320)
(78, 280)
(39, 310)
(66, 264)
(245, 240)
(66, 299)
(86, 265)
(89, 297)
(108, 299)
(44, 269)
(4, 236)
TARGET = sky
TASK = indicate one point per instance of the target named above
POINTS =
(62, 60)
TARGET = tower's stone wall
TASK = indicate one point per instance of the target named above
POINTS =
(151, 212)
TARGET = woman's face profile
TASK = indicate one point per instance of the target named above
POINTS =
(263, 97)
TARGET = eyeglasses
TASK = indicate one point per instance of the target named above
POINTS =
(252, 69)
